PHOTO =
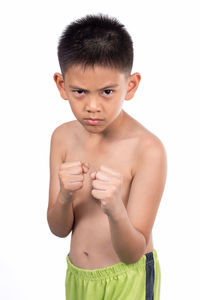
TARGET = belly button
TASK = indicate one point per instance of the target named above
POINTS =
(85, 253)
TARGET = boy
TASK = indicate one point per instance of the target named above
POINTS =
(107, 171)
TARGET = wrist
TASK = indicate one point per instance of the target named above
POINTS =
(119, 214)
(64, 198)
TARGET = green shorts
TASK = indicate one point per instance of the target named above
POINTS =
(136, 281)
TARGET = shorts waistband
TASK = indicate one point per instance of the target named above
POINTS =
(112, 270)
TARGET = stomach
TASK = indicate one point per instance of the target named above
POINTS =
(91, 245)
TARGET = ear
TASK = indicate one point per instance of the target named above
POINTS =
(58, 78)
(133, 83)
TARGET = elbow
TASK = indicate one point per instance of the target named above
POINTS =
(131, 260)
(61, 235)
(58, 233)
(136, 254)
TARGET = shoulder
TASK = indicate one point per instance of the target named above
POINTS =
(64, 126)
(151, 151)
(147, 145)
(150, 145)
(144, 140)
(148, 141)
(61, 137)
(63, 129)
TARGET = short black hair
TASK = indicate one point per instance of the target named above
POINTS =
(96, 40)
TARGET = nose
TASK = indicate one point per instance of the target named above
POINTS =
(93, 105)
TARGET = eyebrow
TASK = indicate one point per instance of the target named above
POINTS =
(105, 87)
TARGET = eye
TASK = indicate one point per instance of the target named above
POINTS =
(79, 92)
(108, 92)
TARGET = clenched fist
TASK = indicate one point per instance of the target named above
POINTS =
(71, 177)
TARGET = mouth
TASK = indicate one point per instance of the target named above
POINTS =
(93, 121)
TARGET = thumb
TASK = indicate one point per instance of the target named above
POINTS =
(93, 175)
(85, 167)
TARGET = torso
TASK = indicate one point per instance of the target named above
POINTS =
(91, 245)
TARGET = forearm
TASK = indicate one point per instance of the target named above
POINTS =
(61, 217)
(128, 242)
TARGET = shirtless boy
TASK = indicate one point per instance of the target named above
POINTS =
(107, 177)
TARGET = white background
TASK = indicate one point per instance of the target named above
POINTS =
(166, 43)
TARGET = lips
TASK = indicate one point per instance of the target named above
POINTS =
(93, 121)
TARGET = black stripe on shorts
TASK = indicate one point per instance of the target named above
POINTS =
(150, 276)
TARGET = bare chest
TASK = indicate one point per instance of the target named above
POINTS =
(91, 233)
(118, 157)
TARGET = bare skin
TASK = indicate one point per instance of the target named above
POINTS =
(123, 145)
(91, 245)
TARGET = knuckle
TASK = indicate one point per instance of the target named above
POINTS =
(78, 169)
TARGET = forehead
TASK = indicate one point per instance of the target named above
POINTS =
(97, 75)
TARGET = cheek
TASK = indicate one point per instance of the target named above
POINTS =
(75, 103)
(76, 108)
(114, 107)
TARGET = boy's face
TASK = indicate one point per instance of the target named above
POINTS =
(97, 93)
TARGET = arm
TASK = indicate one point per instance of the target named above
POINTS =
(60, 214)
(131, 229)
(127, 241)
(60, 217)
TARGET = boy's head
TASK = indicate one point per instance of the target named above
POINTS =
(96, 56)
(96, 40)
